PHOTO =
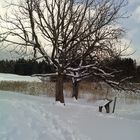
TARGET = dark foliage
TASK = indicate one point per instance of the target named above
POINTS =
(25, 67)
(126, 66)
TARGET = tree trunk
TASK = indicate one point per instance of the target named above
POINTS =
(59, 96)
(75, 85)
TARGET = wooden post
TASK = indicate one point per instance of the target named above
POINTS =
(100, 108)
(107, 107)
(114, 106)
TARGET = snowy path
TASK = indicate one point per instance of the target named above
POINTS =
(24, 117)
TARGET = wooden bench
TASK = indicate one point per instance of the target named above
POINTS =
(105, 103)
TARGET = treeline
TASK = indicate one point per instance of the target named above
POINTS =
(126, 66)
(24, 67)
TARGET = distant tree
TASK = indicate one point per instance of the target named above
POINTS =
(19, 66)
(35, 67)
(137, 76)
(2, 66)
(25, 67)
(126, 67)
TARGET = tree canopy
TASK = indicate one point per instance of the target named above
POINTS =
(73, 36)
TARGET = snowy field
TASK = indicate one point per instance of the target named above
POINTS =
(14, 77)
(25, 117)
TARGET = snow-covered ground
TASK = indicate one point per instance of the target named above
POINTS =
(14, 77)
(25, 117)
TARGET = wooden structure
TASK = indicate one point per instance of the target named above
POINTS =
(106, 104)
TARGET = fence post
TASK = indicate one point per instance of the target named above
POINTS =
(114, 105)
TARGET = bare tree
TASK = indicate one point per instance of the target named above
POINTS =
(73, 35)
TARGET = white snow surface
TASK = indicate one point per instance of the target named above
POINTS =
(14, 77)
(25, 117)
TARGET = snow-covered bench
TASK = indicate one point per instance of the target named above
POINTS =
(104, 103)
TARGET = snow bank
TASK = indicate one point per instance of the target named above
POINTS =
(24, 117)
(14, 77)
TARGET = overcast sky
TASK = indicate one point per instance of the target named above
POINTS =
(132, 26)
